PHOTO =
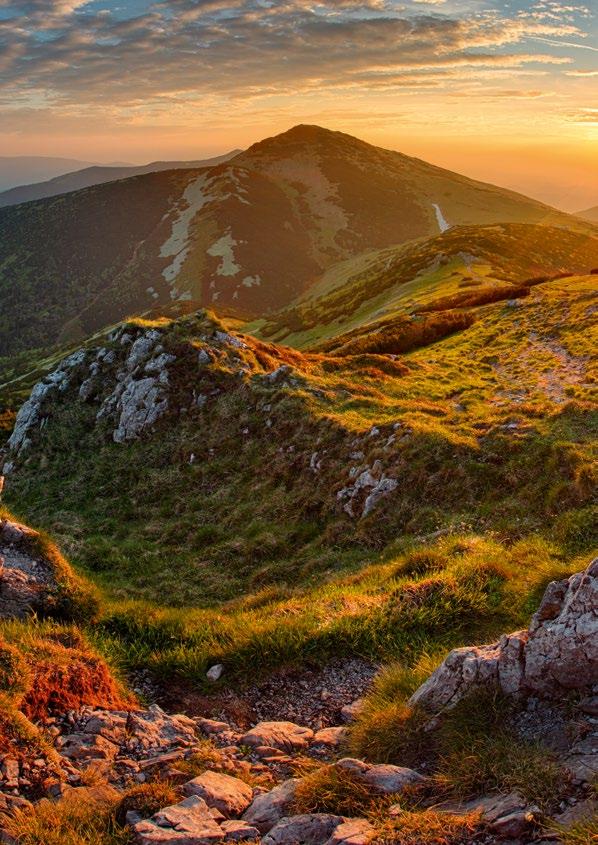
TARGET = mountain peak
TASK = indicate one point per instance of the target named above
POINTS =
(306, 134)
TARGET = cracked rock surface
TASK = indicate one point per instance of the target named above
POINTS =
(558, 652)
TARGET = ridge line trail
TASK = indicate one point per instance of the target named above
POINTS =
(563, 370)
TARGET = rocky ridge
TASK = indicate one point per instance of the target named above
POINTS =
(142, 376)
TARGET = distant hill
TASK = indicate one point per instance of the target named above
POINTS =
(590, 214)
(252, 233)
(462, 267)
(98, 175)
(18, 170)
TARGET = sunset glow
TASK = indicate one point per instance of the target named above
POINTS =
(504, 91)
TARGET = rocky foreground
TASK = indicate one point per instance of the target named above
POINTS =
(245, 785)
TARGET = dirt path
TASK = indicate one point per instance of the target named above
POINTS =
(560, 370)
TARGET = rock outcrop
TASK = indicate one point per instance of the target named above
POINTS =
(558, 652)
(33, 579)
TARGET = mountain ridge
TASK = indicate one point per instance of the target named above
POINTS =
(222, 236)
(97, 175)
(590, 214)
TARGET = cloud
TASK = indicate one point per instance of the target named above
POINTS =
(584, 115)
(174, 53)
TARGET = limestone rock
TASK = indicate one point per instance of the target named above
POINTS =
(269, 808)
(383, 779)
(228, 794)
(214, 673)
(239, 831)
(186, 823)
(352, 832)
(558, 652)
(141, 404)
(330, 737)
(307, 829)
(87, 747)
(562, 648)
(285, 735)
(31, 413)
(351, 711)
(368, 487)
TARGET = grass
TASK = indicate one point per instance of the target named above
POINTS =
(71, 821)
(243, 556)
(581, 833)
(478, 753)
(332, 790)
(428, 828)
(145, 799)
(94, 816)
(472, 751)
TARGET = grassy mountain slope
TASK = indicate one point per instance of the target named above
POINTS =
(466, 264)
(248, 510)
(251, 233)
(98, 175)
(590, 214)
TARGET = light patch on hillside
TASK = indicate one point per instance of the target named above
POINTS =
(196, 197)
(251, 281)
(442, 223)
(223, 248)
(320, 195)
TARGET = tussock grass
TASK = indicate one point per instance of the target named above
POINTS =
(332, 790)
(472, 751)
(581, 833)
(74, 820)
(426, 827)
(478, 753)
(145, 799)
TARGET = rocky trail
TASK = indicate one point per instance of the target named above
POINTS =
(241, 780)
(316, 697)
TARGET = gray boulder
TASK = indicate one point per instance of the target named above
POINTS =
(186, 823)
(268, 809)
(383, 779)
(284, 735)
(307, 829)
(227, 794)
(558, 652)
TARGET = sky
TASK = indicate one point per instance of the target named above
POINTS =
(502, 90)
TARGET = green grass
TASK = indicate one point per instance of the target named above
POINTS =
(243, 555)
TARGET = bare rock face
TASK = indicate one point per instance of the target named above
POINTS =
(186, 823)
(558, 652)
(283, 735)
(230, 795)
(562, 646)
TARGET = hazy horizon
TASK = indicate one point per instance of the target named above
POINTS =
(501, 91)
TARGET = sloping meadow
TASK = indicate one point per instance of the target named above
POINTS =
(270, 514)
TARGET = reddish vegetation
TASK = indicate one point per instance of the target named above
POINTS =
(400, 335)
(474, 298)
(64, 678)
